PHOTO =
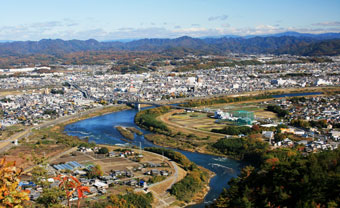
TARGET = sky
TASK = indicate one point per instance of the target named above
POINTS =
(134, 19)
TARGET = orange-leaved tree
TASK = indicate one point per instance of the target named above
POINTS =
(10, 194)
(70, 185)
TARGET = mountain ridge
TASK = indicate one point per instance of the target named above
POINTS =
(289, 43)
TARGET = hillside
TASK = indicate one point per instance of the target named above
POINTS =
(286, 179)
(329, 48)
(290, 43)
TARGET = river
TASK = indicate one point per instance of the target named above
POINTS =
(101, 130)
(297, 94)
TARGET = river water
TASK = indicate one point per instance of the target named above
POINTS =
(102, 130)
(297, 94)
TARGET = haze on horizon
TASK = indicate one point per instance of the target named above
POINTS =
(134, 19)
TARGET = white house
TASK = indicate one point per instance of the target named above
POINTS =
(268, 134)
(335, 134)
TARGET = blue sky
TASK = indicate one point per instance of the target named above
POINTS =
(130, 19)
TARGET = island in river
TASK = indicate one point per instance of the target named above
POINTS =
(99, 129)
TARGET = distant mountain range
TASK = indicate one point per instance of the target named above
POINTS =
(322, 36)
(282, 43)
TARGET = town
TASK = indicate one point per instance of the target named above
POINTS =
(42, 93)
(32, 97)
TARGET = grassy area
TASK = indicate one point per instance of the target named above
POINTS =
(195, 120)
(43, 143)
(186, 128)
(156, 179)
(265, 114)
(9, 131)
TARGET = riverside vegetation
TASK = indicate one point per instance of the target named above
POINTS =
(134, 130)
(147, 119)
(128, 132)
(125, 132)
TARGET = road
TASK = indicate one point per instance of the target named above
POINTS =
(163, 197)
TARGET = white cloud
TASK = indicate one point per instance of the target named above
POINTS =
(221, 18)
(226, 25)
(328, 24)
(64, 30)
(49, 24)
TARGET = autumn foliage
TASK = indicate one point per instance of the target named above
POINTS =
(71, 185)
(10, 194)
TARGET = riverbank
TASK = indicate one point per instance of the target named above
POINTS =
(48, 139)
(199, 197)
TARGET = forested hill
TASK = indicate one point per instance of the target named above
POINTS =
(297, 45)
(330, 47)
(287, 179)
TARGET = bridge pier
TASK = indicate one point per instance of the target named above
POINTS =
(137, 106)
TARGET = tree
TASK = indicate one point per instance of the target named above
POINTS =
(39, 175)
(71, 185)
(278, 110)
(130, 200)
(95, 172)
(116, 200)
(279, 137)
(256, 128)
(51, 196)
(103, 150)
(287, 179)
(10, 194)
